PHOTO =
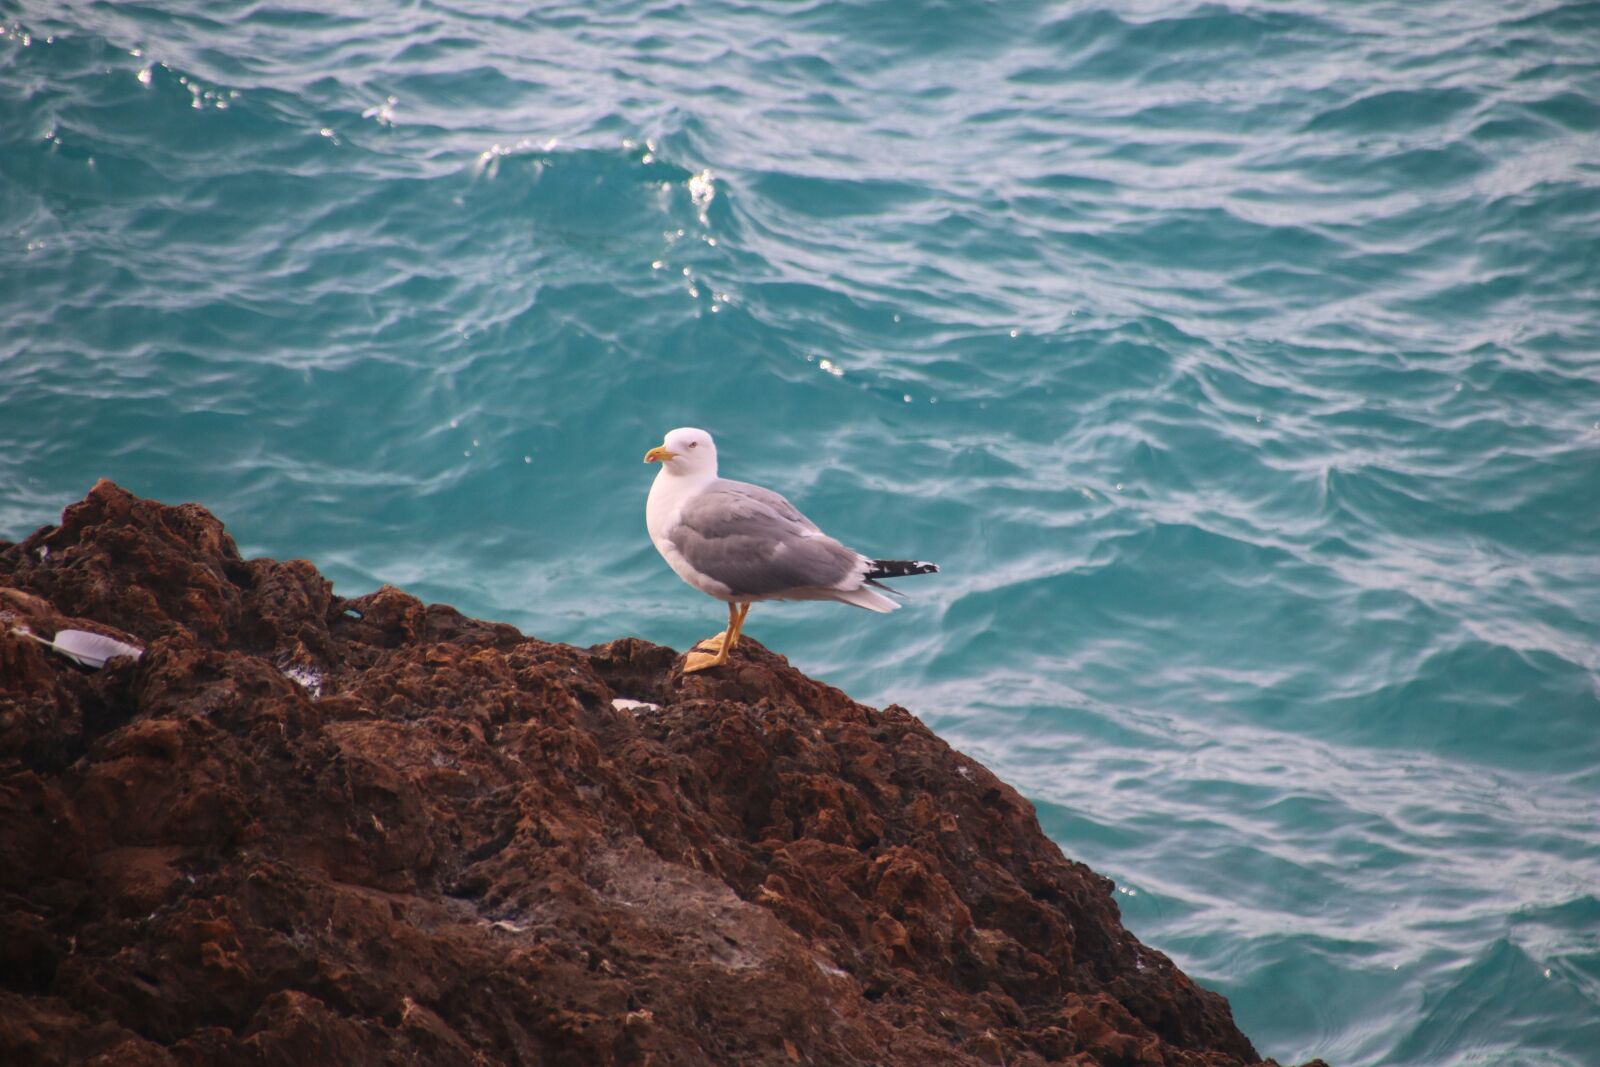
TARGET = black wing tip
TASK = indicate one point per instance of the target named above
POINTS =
(900, 568)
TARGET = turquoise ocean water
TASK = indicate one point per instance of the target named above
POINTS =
(1240, 363)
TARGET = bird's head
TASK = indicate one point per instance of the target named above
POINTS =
(685, 450)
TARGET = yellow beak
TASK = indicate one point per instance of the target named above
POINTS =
(659, 454)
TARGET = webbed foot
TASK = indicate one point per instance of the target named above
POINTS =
(711, 652)
(699, 661)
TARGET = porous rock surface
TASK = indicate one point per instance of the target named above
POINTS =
(307, 830)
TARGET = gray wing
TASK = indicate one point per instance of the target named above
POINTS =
(757, 543)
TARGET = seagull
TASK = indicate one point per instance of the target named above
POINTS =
(742, 543)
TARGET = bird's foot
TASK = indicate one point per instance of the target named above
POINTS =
(711, 652)
(712, 644)
(699, 661)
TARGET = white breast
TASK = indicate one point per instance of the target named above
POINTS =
(668, 494)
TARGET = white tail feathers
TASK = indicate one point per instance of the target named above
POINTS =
(863, 597)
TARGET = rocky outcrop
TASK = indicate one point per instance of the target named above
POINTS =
(306, 830)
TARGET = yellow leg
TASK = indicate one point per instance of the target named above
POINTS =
(738, 626)
(716, 648)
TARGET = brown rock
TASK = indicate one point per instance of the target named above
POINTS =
(301, 829)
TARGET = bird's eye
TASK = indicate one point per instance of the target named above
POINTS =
(694, 444)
